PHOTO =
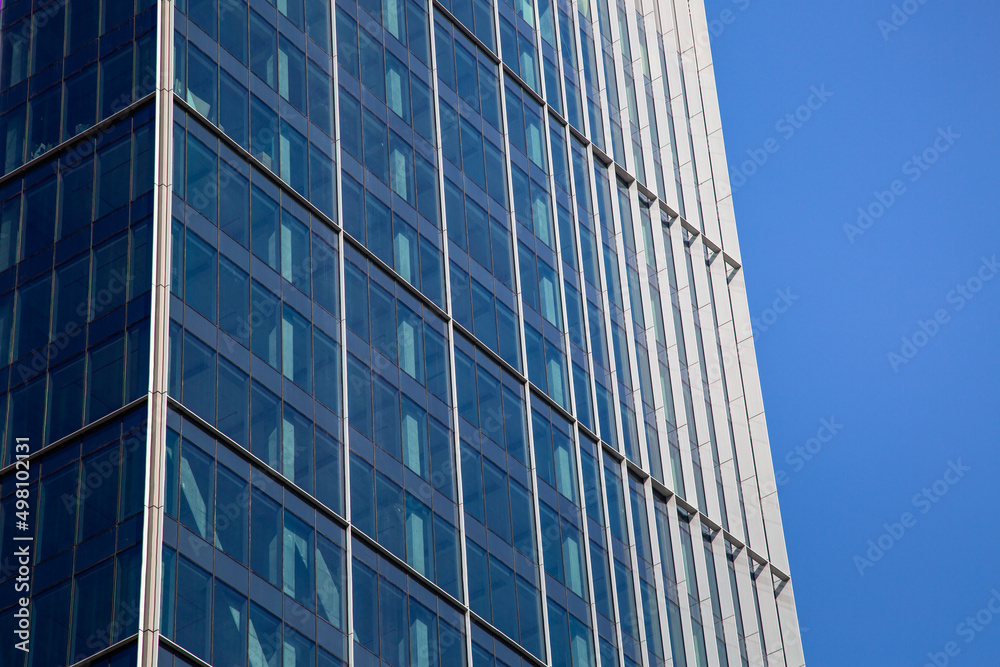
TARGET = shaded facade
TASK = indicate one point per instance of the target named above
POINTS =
(388, 332)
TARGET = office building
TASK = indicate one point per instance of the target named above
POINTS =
(378, 332)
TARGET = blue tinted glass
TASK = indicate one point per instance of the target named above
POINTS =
(229, 626)
(263, 49)
(330, 581)
(362, 495)
(50, 615)
(265, 414)
(347, 43)
(265, 319)
(265, 537)
(265, 638)
(299, 577)
(296, 342)
(359, 395)
(329, 472)
(199, 377)
(66, 397)
(234, 301)
(202, 178)
(390, 512)
(200, 279)
(366, 621)
(56, 525)
(106, 383)
(231, 516)
(197, 498)
(479, 580)
(392, 624)
(194, 605)
(202, 84)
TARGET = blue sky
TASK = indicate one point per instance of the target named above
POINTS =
(913, 460)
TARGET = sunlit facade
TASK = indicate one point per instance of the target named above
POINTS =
(389, 332)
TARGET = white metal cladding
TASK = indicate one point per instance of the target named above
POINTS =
(692, 213)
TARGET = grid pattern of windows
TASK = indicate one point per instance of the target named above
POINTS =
(74, 308)
(454, 369)
(68, 65)
(85, 502)
(251, 571)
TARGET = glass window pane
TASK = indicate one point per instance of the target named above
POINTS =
(56, 519)
(320, 95)
(362, 495)
(265, 537)
(397, 84)
(202, 83)
(414, 437)
(200, 279)
(263, 133)
(389, 515)
(66, 399)
(265, 643)
(116, 80)
(234, 301)
(359, 395)
(265, 415)
(231, 519)
(50, 619)
(327, 370)
(419, 537)
(40, 208)
(330, 581)
(393, 624)
(291, 71)
(194, 608)
(447, 559)
(263, 45)
(297, 449)
(504, 598)
(234, 101)
(107, 378)
(372, 68)
(366, 603)
(197, 497)
(229, 626)
(347, 43)
(296, 345)
(199, 376)
(266, 318)
(299, 577)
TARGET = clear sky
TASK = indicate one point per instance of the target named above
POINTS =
(904, 126)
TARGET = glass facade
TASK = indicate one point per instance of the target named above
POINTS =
(376, 332)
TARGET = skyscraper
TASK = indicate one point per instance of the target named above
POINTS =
(389, 332)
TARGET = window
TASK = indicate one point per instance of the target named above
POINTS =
(202, 84)
(320, 96)
(262, 49)
(298, 560)
(291, 72)
(66, 399)
(266, 327)
(265, 543)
